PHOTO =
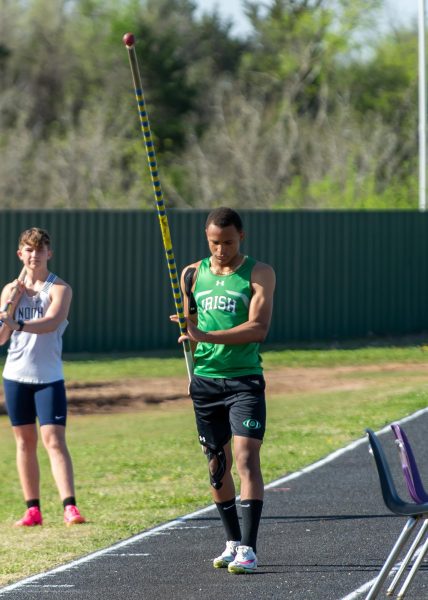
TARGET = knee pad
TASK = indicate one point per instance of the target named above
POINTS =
(217, 465)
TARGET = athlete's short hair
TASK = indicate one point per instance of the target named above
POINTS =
(223, 217)
(34, 237)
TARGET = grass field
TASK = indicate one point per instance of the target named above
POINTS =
(106, 368)
(134, 470)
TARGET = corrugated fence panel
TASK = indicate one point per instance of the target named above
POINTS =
(340, 274)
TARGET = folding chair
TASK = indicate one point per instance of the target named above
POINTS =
(416, 512)
(417, 493)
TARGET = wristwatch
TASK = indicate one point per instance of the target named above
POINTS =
(21, 324)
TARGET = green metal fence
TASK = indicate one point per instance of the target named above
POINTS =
(340, 274)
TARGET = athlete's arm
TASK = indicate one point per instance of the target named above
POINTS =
(259, 315)
(60, 294)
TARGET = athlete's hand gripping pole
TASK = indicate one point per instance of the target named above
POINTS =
(7, 308)
(129, 42)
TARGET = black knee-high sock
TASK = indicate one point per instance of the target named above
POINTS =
(251, 515)
(229, 518)
(68, 501)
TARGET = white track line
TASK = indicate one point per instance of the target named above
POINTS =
(361, 590)
(180, 520)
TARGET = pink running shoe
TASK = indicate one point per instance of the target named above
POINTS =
(72, 515)
(32, 517)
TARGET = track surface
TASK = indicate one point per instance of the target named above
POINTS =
(325, 534)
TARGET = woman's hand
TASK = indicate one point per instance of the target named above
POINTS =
(16, 290)
(7, 320)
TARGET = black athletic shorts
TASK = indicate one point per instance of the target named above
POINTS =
(228, 406)
(26, 401)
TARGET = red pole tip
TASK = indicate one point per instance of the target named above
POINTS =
(128, 39)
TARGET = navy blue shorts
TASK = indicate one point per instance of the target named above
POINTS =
(26, 401)
(226, 407)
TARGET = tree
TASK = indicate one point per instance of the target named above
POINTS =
(294, 116)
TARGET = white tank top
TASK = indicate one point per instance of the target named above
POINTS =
(35, 357)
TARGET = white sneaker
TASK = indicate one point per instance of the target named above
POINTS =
(245, 561)
(227, 556)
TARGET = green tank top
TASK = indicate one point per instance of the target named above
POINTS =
(223, 302)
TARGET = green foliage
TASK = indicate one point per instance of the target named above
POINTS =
(388, 80)
(333, 193)
(295, 115)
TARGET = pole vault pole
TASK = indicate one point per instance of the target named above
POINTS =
(129, 41)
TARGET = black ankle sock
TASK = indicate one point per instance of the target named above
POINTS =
(69, 500)
(229, 518)
(251, 515)
(33, 502)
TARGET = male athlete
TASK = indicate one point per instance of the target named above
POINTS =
(228, 298)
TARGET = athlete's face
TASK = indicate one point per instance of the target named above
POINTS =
(224, 243)
(34, 257)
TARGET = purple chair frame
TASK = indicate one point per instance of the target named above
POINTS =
(409, 466)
